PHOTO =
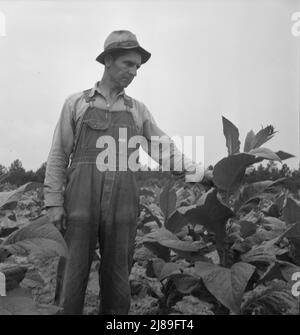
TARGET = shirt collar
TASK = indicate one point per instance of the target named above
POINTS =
(96, 88)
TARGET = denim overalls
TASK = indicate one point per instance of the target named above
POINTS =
(100, 205)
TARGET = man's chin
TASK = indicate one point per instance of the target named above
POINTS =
(125, 83)
(122, 85)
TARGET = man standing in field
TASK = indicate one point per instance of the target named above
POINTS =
(92, 198)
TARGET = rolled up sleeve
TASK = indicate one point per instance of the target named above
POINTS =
(58, 159)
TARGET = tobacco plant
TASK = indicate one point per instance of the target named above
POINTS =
(235, 245)
(37, 237)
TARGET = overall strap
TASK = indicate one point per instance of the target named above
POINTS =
(128, 102)
(90, 101)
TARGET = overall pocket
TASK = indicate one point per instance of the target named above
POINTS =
(93, 129)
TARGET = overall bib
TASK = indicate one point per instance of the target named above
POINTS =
(100, 205)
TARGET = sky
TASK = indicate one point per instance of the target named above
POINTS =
(237, 59)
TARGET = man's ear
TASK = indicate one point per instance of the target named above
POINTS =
(108, 60)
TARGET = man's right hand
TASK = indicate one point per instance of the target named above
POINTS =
(57, 216)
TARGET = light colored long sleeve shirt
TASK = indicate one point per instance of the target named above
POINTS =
(67, 131)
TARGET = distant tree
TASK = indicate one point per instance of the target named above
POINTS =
(29, 176)
(17, 174)
(16, 165)
(268, 172)
(3, 169)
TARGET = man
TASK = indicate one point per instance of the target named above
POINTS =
(94, 199)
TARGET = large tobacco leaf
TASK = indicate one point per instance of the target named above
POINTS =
(212, 214)
(39, 237)
(226, 285)
(162, 241)
(250, 137)
(279, 270)
(153, 240)
(176, 221)
(231, 134)
(229, 171)
(265, 252)
(11, 198)
(284, 155)
(255, 141)
(264, 153)
(168, 200)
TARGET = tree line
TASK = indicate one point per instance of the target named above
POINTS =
(17, 175)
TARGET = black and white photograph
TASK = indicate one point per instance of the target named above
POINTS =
(150, 160)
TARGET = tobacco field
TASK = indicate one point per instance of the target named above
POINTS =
(224, 246)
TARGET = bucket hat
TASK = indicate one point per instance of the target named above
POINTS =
(122, 40)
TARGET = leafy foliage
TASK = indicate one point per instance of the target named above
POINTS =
(237, 240)
(229, 172)
(275, 299)
(212, 214)
(168, 200)
(20, 302)
(254, 141)
(39, 236)
(231, 247)
(11, 198)
(227, 285)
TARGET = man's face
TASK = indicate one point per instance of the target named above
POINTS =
(123, 69)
